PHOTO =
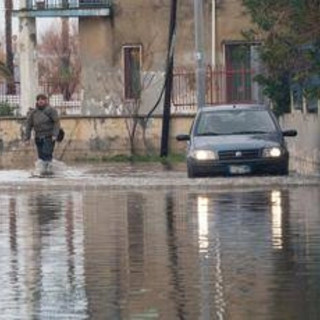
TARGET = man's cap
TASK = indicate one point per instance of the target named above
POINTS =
(41, 96)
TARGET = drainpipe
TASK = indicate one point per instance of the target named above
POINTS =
(214, 31)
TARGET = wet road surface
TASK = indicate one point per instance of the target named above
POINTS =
(121, 175)
(129, 243)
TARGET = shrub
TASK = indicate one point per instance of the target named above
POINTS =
(6, 109)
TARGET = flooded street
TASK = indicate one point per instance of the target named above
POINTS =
(119, 242)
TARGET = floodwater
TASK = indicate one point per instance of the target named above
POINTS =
(136, 244)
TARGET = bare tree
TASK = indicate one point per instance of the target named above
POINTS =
(129, 108)
(59, 60)
(4, 72)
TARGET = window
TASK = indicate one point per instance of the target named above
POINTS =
(242, 60)
(235, 122)
(132, 69)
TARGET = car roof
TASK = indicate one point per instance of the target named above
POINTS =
(222, 107)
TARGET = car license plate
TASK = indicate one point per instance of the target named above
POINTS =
(239, 169)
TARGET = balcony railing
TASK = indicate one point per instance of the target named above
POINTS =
(57, 8)
(67, 4)
(222, 86)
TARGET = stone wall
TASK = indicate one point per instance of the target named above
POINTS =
(97, 137)
(305, 147)
(90, 138)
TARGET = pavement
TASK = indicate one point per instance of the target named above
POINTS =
(142, 175)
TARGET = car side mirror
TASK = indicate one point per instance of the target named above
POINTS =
(183, 137)
(289, 133)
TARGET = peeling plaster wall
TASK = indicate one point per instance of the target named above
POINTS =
(143, 22)
(231, 20)
(146, 22)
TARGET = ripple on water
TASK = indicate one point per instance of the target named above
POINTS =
(163, 253)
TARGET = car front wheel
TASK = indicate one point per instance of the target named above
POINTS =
(283, 172)
(191, 171)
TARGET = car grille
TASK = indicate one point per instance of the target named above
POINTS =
(239, 154)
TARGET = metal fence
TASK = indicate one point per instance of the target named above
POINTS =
(10, 96)
(222, 86)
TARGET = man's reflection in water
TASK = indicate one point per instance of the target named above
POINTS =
(53, 282)
(46, 209)
(43, 209)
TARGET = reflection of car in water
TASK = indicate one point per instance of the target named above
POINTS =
(236, 140)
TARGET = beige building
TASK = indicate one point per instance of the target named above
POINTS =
(124, 48)
(126, 58)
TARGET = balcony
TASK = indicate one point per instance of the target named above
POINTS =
(64, 8)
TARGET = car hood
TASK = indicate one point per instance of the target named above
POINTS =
(236, 142)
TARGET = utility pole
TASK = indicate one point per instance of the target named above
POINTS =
(65, 59)
(8, 36)
(168, 81)
(199, 53)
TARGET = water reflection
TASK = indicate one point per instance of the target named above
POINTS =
(210, 259)
(203, 203)
(36, 266)
(135, 229)
(175, 264)
(276, 212)
(160, 254)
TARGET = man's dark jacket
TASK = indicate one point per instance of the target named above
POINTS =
(44, 121)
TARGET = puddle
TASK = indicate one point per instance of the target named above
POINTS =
(172, 253)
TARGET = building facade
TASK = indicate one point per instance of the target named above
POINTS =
(124, 49)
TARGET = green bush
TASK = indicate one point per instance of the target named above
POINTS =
(6, 109)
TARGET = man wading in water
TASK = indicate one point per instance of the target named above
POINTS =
(44, 120)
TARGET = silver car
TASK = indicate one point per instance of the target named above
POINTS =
(236, 140)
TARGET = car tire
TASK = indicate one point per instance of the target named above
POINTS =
(283, 172)
(191, 171)
(280, 171)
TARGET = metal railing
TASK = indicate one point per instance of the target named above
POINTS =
(10, 96)
(222, 86)
(67, 4)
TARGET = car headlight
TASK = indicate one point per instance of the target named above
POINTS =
(274, 152)
(203, 155)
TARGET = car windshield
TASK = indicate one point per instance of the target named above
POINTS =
(222, 122)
